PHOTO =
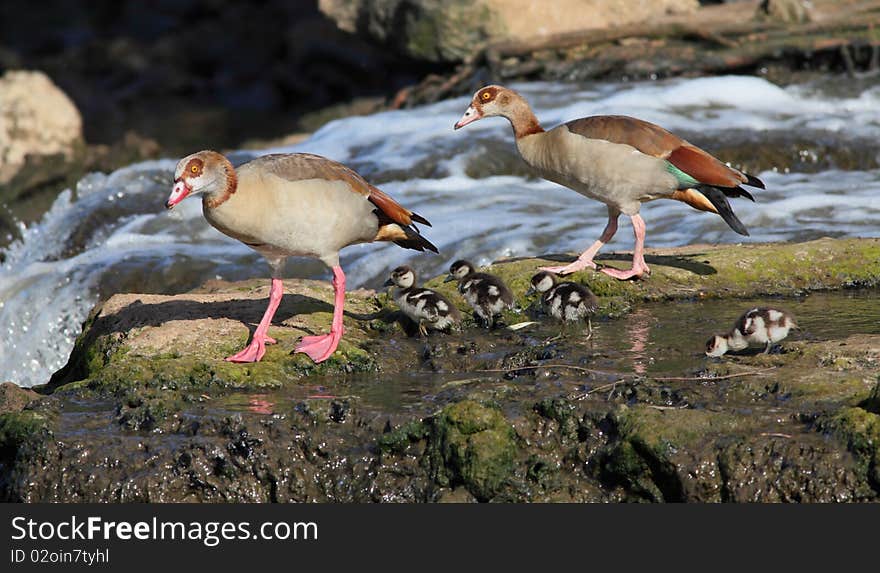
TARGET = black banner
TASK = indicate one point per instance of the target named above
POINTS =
(394, 537)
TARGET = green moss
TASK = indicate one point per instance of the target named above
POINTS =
(860, 429)
(641, 458)
(475, 446)
(17, 428)
(872, 402)
(397, 440)
(747, 270)
(563, 412)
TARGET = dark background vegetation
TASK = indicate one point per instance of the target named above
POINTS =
(196, 73)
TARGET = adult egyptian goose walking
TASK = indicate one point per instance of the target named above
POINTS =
(294, 204)
(620, 161)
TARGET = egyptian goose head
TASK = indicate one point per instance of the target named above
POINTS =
(203, 172)
(499, 101)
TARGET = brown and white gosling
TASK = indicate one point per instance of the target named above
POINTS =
(425, 307)
(566, 301)
(486, 293)
(757, 326)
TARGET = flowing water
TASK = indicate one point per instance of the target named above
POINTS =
(814, 143)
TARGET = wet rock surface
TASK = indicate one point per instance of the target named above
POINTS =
(147, 410)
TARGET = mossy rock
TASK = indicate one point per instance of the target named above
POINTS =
(644, 457)
(18, 429)
(860, 430)
(476, 446)
(705, 271)
(872, 402)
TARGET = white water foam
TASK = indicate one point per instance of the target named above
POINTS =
(113, 234)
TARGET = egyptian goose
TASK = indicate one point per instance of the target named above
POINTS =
(487, 294)
(566, 301)
(425, 307)
(620, 161)
(757, 326)
(294, 204)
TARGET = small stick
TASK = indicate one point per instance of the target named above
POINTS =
(569, 366)
(702, 378)
(612, 386)
(775, 435)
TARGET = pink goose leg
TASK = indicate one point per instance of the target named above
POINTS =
(586, 258)
(320, 348)
(639, 267)
(254, 351)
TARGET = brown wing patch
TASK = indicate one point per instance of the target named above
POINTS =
(649, 138)
(389, 207)
(301, 166)
(704, 167)
(396, 223)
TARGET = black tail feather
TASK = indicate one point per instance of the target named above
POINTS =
(754, 181)
(419, 219)
(414, 240)
(719, 200)
(739, 192)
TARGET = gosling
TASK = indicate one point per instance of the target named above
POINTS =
(487, 294)
(757, 326)
(425, 307)
(566, 301)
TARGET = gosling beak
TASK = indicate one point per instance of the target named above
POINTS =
(178, 194)
(388, 283)
(470, 116)
(531, 291)
(449, 278)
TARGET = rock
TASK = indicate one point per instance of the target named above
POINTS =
(450, 31)
(13, 398)
(148, 410)
(37, 120)
(474, 446)
(705, 272)
(526, 18)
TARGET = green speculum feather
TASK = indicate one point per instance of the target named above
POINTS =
(685, 181)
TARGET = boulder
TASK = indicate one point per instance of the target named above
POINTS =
(450, 31)
(37, 119)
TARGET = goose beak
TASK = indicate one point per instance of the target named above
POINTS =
(531, 291)
(178, 194)
(388, 283)
(449, 278)
(470, 116)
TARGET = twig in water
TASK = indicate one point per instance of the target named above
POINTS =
(713, 378)
(569, 366)
(775, 435)
(583, 395)
(455, 383)
(682, 407)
